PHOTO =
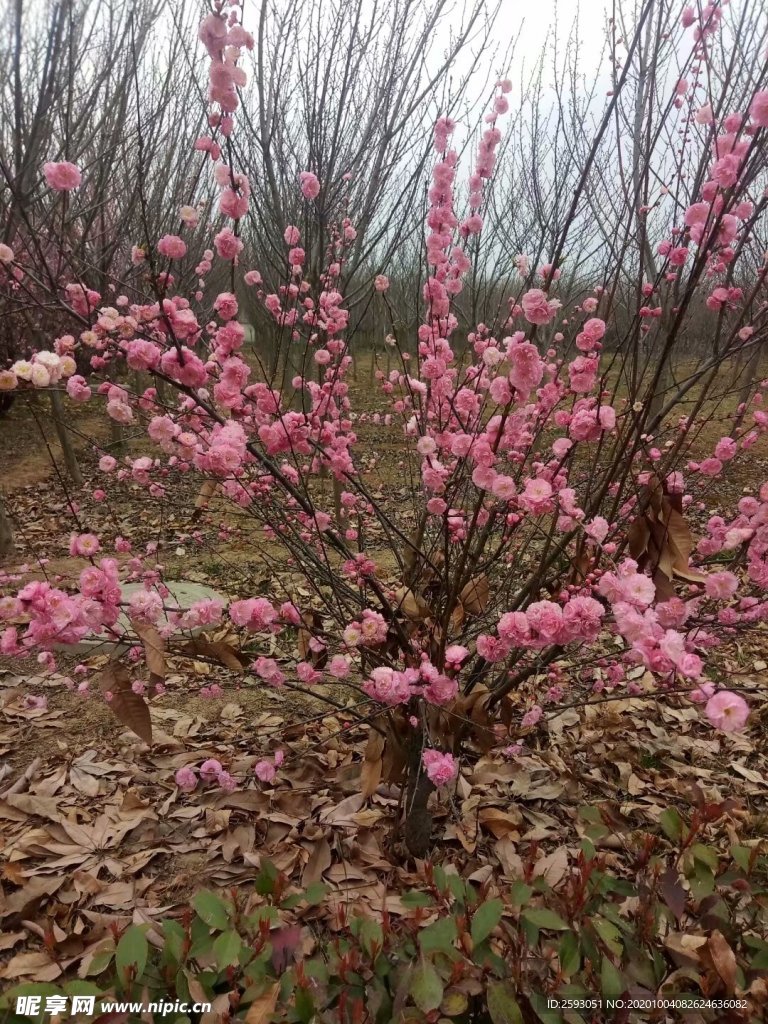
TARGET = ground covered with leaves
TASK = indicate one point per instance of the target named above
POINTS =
(619, 852)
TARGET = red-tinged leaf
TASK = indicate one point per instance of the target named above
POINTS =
(673, 892)
(284, 942)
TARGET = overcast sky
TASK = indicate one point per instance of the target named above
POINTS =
(535, 24)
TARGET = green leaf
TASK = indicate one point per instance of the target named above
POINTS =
(440, 877)
(316, 892)
(457, 887)
(485, 919)
(705, 855)
(440, 935)
(78, 987)
(29, 988)
(569, 954)
(588, 849)
(102, 958)
(543, 917)
(132, 952)
(426, 987)
(612, 985)
(264, 882)
(211, 909)
(672, 824)
(371, 936)
(742, 856)
(503, 1008)
(173, 947)
(413, 900)
(701, 882)
(305, 1005)
(609, 933)
(591, 814)
(227, 948)
(519, 894)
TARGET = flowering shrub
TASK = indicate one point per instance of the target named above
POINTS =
(549, 508)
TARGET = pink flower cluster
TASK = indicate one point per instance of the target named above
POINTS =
(210, 772)
(440, 768)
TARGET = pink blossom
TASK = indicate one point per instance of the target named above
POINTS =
(62, 176)
(532, 717)
(536, 496)
(338, 667)
(227, 244)
(186, 779)
(309, 184)
(145, 606)
(721, 585)
(264, 771)
(440, 768)
(172, 246)
(725, 449)
(711, 467)
(381, 282)
(455, 655)
(702, 693)
(85, 545)
(727, 711)
(597, 529)
(758, 108)
(390, 687)
(210, 769)
(255, 613)
(226, 782)
(538, 309)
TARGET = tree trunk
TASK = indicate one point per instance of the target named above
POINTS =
(418, 820)
(750, 368)
(67, 448)
(6, 533)
(117, 437)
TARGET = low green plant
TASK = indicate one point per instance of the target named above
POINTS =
(691, 922)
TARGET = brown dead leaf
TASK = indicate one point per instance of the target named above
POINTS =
(475, 595)
(217, 650)
(553, 867)
(128, 707)
(498, 822)
(319, 861)
(370, 774)
(723, 959)
(412, 605)
(154, 648)
(261, 1009)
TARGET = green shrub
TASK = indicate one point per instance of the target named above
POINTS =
(691, 922)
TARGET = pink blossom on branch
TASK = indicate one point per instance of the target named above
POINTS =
(309, 184)
(440, 768)
(62, 176)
